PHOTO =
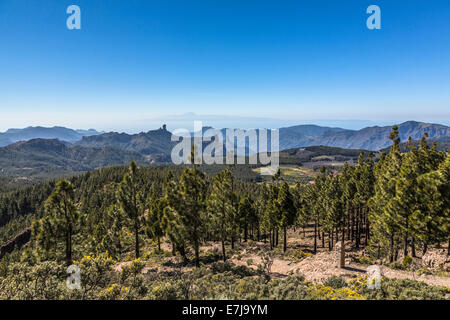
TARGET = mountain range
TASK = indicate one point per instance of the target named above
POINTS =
(370, 138)
(77, 150)
(64, 134)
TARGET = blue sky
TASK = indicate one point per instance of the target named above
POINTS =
(134, 62)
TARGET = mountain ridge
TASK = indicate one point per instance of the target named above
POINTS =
(14, 135)
(158, 142)
(51, 155)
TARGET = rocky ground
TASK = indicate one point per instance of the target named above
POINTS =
(299, 259)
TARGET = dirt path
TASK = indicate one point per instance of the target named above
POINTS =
(316, 267)
(321, 266)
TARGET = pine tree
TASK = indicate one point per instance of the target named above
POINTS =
(408, 198)
(382, 211)
(61, 221)
(430, 221)
(221, 207)
(171, 222)
(193, 216)
(116, 221)
(271, 218)
(248, 217)
(185, 217)
(287, 211)
(131, 202)
(155, 215)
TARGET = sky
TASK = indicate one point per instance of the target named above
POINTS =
(134, 64)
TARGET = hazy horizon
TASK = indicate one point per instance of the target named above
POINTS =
(186, 121)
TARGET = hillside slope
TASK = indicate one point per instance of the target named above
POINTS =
(154, 142)
(64, 134)
(45, 156)
(376, 138)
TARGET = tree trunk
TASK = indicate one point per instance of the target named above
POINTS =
(330, 245)
(270, 239)
(245, 233)
(197, 253)
(425, 248)
(159, 244)
(182, 251)
(413, 247)
(136, 233)
(357, 231)
(315, 237)
(448, 247)
(174, 252)
(391, 249)
(366, 242)
(68, 250)
(223, 251)
(405, 246)
(352, 227)
(323, 239)
(342, 256)
(285, 240)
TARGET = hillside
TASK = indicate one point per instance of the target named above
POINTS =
(154, 142)
(303, 135)
(375, 138)
(40, 156)
(64, 134)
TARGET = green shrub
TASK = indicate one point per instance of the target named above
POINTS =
(425, 271)
(397, 266)
(335, 282)
(363, 259)
(399, 289)
(407, 260)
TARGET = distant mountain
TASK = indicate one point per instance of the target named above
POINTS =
(371, 138)
(158, 142)
(64, 134)
(151, 143)
(303, 135)
(39, 156)
(28, 158)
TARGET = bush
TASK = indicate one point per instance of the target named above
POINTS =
(407, 260)
(335, 282)
(397, 266)
(365, 260)
(425, 271)
(399, 289)
(299, 254)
